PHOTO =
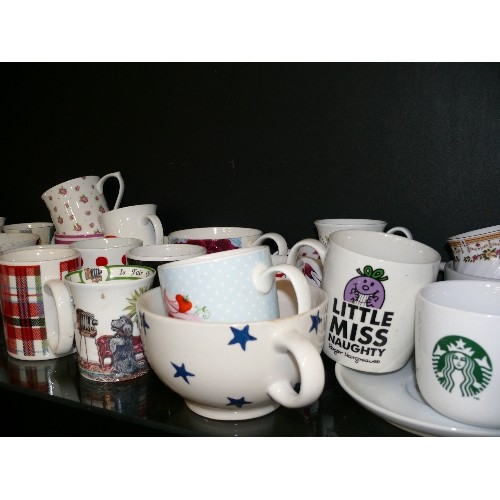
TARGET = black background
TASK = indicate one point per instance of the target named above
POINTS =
(267, 145)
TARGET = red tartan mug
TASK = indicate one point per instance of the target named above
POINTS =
(28, 311)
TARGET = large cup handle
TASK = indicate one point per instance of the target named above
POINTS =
(311, 369)
(157, 226)
(264, 277)
(61, 342)
(310, 242)
(117, 175)
(277, 238)
(400, 229)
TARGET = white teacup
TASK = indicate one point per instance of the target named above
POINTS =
(238, 371)
(234, 285)
(327, 226)
(221, 238)
(457, 350)
(450, 273)
(74, 205)
(9, 241)
(45, 230)
(105, 251)
(477, 252)
(135, 221)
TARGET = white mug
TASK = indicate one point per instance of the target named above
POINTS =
(45, 230)
(457, 350)
(234, 285)
(371, 279)
(75, 205)
(105, 251)
(135, 221)
(327, 226)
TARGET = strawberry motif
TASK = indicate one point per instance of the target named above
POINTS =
(184, 303)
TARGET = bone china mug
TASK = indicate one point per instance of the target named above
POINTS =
(371, 279)
(75, 205)
(100, 303)
(28, 311)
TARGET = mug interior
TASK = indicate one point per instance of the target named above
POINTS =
(349, 222)
(103, 243)
(165, 252)
(109, 274)
(386, 247)
(477, 232)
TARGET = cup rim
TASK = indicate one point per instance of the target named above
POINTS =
(48, 251)
(105, 243)
(225, 232)
(214, 257)
(485, 231)
(136, 253)
(349, 222)
(125, 279)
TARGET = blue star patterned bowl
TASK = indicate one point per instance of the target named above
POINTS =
(238, 371)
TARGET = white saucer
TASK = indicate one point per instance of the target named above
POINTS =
(396, 398)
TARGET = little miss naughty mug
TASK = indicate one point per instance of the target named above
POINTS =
(234, 285)
(372, 279)
(100, 304)
(74, 205)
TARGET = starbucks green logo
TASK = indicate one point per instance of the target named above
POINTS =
(461, 366)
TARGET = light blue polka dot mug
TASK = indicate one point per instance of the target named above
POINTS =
(233, 285)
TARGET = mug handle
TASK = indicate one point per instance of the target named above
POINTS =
(311, 369)
(100, 186)
(157, 227)
(309, 242)
(400, 229)
(61, 342)
(264, 278)
(277, 238)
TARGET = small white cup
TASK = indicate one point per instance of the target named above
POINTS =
(457, 350)
(234, 285)
(477, 252)
(105, 251)
(155, 255)
(45, 230)
(135, 221)
(450, 273)
(9, 241)
(327, 226)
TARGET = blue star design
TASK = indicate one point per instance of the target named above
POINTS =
(241, 336)
(180, 371)
(316, 320)
(238, 402)
(143, 322)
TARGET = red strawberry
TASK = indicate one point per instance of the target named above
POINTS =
(184, 303)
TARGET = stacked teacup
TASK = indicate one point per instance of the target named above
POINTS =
(476, 255)
(230, 338)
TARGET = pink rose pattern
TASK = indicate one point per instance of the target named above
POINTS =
(84, 199)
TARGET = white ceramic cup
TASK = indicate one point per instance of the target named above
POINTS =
(237, 371)
(105, 251)
(9, 241)
(327, 226)
(28, 311)
(457, 350)
(75, 205)
(155, 255)
(234, 285)
(221, 238)
(371, 279)
(45, 230)
(450, 273)
(477, 252)
(99, 304)
(135, 221)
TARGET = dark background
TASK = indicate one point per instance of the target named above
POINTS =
(267, 145)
